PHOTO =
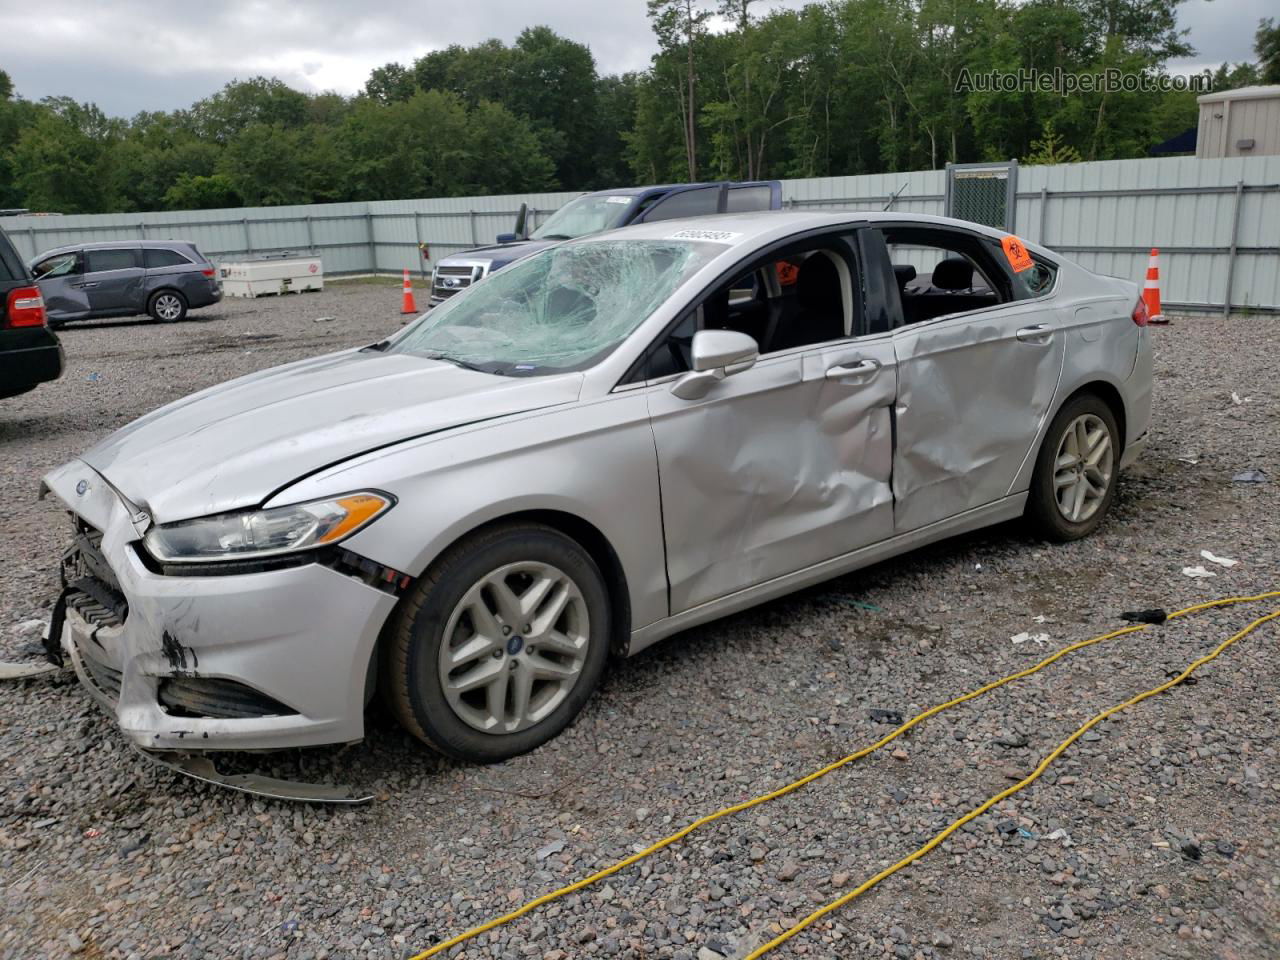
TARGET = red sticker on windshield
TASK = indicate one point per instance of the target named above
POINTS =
(1019, 259)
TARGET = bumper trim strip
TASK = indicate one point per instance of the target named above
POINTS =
(200, 767)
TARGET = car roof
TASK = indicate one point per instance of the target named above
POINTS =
(668, 187)
(765, 225)
(117, 245)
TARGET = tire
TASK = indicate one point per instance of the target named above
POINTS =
(454, 611)
(1068, 500)
(167, 306)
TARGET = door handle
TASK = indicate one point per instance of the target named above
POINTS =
(86, 286)
(1036, 333)
(858, 370)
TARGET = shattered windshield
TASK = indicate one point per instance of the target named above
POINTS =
(561, 309)
(577, 218)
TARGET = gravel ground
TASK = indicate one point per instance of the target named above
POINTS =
(1156, 836)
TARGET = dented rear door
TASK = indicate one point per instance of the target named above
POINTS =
(973, 390)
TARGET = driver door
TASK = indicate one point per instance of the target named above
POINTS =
(59, 278)
(780, 466)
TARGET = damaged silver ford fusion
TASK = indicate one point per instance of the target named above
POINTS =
(603, 444)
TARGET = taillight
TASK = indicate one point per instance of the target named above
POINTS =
(209, 272)
(1140, 314)
(25, 308)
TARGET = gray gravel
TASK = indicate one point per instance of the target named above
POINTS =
(1157, 836)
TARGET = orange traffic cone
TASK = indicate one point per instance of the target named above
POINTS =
(408, 305)
(1151, 289)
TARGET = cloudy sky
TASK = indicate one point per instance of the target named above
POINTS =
(131, 55)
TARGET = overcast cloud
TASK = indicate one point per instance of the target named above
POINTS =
(130, 55)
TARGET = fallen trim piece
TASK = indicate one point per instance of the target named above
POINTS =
(200, 767)
(32, 668)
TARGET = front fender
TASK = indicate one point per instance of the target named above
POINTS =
(593, 460)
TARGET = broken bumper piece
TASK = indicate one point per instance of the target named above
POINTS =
(202, 768)
(261, 660)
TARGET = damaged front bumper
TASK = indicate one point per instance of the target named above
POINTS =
(246, 661)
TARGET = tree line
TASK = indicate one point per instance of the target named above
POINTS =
(834, 88)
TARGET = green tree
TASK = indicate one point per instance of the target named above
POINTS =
(553, 86)
(243, 103)
(264, 164)
(1233, 76)
(202, 193)
(679, 26)
(504, 154)
(1266, 44)
(1050, 148)
(390, 83)
(63, 160)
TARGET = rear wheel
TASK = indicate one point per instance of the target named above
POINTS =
(500, 644)
(167, 306)
(1076, 471)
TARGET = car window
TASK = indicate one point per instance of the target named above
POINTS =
(795, 298)
(59, 265)
(119, 259)
(687, 203)
(11, 265)
(577, 218)
(940, 272)
(564, 308)
(153, 258)
(742, 199)
(1035, 281)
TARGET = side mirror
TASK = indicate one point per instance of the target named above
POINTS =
(507, 238)
(716, 354)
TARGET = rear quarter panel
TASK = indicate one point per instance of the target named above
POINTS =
(1102, 344)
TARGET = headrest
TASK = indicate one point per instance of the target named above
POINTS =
(905, 273)
(818, 281)
(953, 273)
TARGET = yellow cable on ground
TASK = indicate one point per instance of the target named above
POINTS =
(1003, 794)
(806, 780)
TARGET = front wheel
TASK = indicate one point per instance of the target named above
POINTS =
(1076, 471)
(500, 644)
(167, 306)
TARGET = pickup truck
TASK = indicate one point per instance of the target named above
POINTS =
(595, 212)
(30, 353)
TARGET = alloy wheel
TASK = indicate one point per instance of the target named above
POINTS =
(1083, 467)
(168, 307)
(514, 646)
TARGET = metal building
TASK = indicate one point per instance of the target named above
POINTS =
(1239, 123)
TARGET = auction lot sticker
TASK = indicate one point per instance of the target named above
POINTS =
(720, 236)
(1019, 259)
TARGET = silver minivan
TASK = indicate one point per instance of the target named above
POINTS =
(161, 278)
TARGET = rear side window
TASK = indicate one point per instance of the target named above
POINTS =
(152, 259)
(10, 264)
(99, 260)
(688, 203)
(743, 199)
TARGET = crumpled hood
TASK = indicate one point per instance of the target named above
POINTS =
(235, 444)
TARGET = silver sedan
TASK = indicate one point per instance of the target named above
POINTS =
(600, 446)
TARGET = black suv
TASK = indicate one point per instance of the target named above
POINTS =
(30, 353)
(163, 278)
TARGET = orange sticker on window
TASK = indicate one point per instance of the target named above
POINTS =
(788, 272)
(1019, 259)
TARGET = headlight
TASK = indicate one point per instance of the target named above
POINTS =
(259, 533)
